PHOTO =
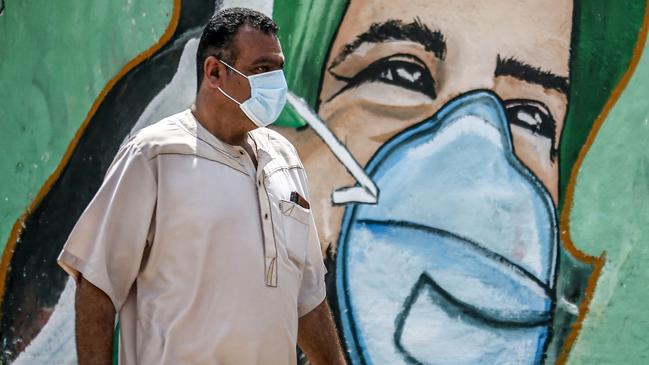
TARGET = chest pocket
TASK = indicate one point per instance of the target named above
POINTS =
(295, 225)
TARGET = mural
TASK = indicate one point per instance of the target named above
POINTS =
(442, 141)
(467, 225)
(468, 134)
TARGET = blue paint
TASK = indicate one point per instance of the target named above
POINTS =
(460, 250)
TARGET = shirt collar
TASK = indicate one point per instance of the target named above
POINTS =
(195, 128)
(261, 139)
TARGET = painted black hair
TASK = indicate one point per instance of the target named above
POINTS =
(219, 33)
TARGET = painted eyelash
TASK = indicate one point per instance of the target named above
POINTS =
(373, 73)
(543, 128)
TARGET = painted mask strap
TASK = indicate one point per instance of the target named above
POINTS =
(367, 192)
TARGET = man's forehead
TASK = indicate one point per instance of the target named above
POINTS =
(251, 42)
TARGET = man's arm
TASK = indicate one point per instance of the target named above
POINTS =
(317, 337)
(95, 321)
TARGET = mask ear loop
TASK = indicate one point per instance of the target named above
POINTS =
(367, 192)
(233, 69)
(228, 96)
(237, 71)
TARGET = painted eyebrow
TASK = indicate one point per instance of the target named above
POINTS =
(395, 30)
(525, 72)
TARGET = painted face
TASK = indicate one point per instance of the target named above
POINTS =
(391, 67)
(462, 237)
(455, 110)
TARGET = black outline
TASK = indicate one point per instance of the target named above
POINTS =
(351, 212)
(440, 232)
(525, 72)
(454, 308)
(369, 74)
(395, 30)
(542, 128)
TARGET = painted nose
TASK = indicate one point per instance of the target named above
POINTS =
(461, 244)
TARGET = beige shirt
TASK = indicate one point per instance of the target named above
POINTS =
(205, 258)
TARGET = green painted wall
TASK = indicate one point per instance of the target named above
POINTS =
(604, 35)
(56, 56)
(611, 214)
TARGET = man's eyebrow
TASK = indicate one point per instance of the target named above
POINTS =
(395, 30)
(525, 72)
(266, 60)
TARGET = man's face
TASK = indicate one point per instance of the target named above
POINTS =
(393, 66)
(255, 52)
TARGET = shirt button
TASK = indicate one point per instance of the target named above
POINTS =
(240, 152)
(266, 216)
(258, 182)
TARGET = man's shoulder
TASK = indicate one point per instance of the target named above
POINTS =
(165, 136)
(275, 141)
(278, 145)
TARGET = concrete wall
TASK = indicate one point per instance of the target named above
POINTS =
(496, 149)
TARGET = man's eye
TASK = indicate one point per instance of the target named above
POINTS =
(533, 116)
(401, 70)
(261, 69)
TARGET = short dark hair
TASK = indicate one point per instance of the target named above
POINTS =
(220, 30)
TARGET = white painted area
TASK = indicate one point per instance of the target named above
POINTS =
(450, 188)
(412, 77)
(430, 333)
(385, 271)
(178, 95)
(568, 306)
(54, 344)
(464, 169)
(469, 125)
(367, 192)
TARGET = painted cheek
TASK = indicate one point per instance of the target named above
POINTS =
(535, 153)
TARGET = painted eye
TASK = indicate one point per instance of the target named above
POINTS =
(533, 116)
(404, 71)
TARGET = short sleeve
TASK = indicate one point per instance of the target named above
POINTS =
(108, 241)
(313, 290)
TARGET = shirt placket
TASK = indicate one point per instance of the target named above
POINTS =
(265, 211)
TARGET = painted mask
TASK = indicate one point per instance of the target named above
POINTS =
(455, 262)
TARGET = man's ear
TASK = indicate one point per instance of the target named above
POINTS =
(213, 71)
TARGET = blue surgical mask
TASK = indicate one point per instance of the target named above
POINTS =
(455, 262)
(267, 96)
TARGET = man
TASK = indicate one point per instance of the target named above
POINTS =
(201, 236)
